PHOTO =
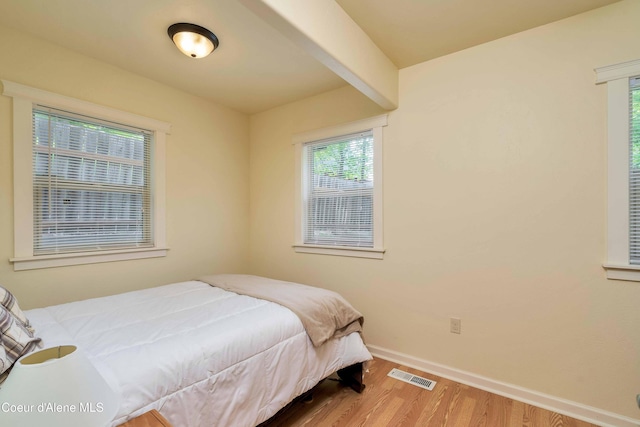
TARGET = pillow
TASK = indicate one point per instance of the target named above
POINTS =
(16, 340)
(8, 301)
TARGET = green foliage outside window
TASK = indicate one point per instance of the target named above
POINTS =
(350, 160)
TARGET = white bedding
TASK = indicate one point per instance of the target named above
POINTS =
(176, 348)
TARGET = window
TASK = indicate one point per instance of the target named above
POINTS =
(623, 169)
(339, 194)
(91, 187)
(634, 170)
(339, 191)
(88, 182)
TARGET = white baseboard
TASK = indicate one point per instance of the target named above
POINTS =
(545, 401)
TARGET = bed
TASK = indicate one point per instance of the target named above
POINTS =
(202, 354)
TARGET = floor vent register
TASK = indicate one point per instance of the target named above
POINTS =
(412, 379)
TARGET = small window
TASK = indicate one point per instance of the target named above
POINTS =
(340, 190)
(88, 182)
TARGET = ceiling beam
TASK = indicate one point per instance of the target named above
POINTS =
(327, 32)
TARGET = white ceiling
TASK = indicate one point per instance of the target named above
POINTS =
(414, 31)
(255, 67)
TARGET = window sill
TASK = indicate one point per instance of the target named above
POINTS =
(61, 260)
(371, 253)
(623, 272)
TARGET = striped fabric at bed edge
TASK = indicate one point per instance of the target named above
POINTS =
(16, 340)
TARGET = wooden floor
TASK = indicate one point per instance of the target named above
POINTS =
(390, 402)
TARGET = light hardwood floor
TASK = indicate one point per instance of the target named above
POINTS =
(390, 402)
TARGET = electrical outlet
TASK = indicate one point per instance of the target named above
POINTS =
(455, 325)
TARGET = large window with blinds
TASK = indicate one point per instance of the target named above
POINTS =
(623, 169)
(339, 208)
(89, 182)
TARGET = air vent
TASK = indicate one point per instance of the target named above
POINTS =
(412, 379)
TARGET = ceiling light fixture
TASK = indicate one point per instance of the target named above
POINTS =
(193, 40)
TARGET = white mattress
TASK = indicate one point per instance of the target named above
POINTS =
(200, 355)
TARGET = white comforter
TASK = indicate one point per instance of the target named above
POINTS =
(200, 355)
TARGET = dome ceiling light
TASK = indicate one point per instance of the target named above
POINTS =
(193, 40)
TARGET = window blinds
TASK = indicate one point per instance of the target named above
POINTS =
(339, 191)
(634, 170)
(91, 186)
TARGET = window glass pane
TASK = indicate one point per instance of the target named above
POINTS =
(340, 193)
(91, 186)
(634, 171)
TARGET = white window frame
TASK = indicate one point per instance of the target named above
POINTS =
(375, 124)
(617, 77)
(24, 98)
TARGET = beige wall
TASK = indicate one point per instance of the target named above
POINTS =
(494, 186)
(207, 175)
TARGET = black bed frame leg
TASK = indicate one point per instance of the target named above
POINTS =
(353, 376)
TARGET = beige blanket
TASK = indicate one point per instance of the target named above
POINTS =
(325, 314)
